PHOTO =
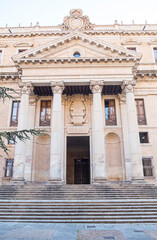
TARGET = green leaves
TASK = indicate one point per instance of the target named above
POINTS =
(21, 135)
(4, 93)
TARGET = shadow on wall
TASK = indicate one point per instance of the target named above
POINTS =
(113, 157)
(41, 158)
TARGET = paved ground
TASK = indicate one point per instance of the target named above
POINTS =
(49, 231)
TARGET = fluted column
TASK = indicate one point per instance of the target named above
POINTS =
(134, 142)
(56, 161)
(98, 146)
(20, 147)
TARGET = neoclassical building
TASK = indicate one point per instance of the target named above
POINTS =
(93, 88)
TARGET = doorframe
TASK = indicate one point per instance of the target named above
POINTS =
(90, 155)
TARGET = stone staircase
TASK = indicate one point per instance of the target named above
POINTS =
(108, 203)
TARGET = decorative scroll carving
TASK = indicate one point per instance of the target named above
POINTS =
(96, 86)
(57, 87)
(77, 110)
(76, 21)
(26, 88)
(128, 86)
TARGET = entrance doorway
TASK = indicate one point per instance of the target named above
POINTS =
(78, 160)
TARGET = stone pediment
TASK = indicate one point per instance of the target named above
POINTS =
(89, 48)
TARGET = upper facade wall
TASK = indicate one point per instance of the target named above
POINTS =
(142, 37)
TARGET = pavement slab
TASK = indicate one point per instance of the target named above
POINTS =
(100, 235)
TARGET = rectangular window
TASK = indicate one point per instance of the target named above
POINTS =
(147, 166)
(144, 137)
(155, 54)
(45, 113)
(21, 50)
(15, 113)
(141, 118)
(0, 56)
(11, 142)
(9, 167)
(132, 49)
(110, 112)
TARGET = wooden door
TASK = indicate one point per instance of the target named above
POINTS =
(81, 171)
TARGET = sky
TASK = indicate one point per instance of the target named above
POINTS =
(52, 12)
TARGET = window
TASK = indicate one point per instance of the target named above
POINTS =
(110, 112)
(21, 50)
(76, 54)
(15, 113)
(45, 113)
(141, 118)
(9, 168)
(132, 49)
(155, 54)
(147, 166)
(11, 142)
(0, 56)
(144, 137)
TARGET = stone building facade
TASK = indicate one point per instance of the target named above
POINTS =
(93, 88)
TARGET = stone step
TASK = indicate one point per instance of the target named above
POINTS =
(77, 212)
(62, 218)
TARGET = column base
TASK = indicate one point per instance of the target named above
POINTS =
(99, 180)
(55, 181)
(17, 181)
(138, 180)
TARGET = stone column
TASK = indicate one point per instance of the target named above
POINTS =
(56, 161)
(20, 147)
(29, 143)
(134, 142)
(124, 118)
(98, 145)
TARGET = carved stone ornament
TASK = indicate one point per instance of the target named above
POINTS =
(26, 88)
(122, 98)
(128, 86)
(77, 110)
(134, 70)
(76, 21)
(57, 87)
(96, 86)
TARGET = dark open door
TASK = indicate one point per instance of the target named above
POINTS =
(78, 160)
(81, 171)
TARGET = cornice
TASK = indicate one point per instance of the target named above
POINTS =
(75, 60)
(148, 73)
(7, 75)
(87, 32)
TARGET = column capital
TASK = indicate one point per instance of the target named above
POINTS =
(25, 88)
(57, 87)
(128, 86)
(96, 86)
(122, 98)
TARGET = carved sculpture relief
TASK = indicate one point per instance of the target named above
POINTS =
(128, 86)
(76, 21)
(78, 110)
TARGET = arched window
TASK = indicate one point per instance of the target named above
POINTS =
(76, 54)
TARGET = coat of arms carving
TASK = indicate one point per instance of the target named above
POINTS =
(77, 110)
(76, 21)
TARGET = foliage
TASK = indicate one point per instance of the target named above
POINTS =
(4, 93)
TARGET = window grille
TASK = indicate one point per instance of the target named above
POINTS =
(147, 166)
